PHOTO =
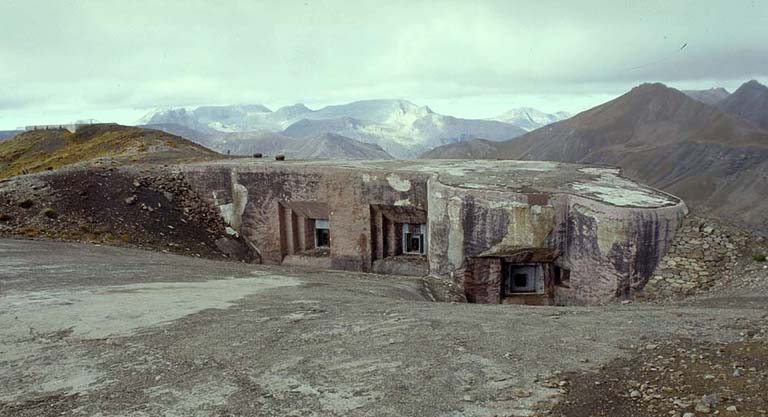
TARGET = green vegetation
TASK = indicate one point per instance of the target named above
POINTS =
(760, 257)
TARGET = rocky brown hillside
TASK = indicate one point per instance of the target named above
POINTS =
(749, 102)
(715, 161)
(41, 150)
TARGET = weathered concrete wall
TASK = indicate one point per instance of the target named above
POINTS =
(481, 280)
(445, 222)
(467, 223)
(250, 199)
(610, 250)
(415, 266)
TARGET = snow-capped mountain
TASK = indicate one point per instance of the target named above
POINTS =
(379, 111)
(529, 118)
(400, 127)
(211, 119)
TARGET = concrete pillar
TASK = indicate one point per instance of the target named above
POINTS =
(495, 276)
(301, 233)
(290, 233)
(281, 230)
(309, 233)
(378, 234)
(391, 238)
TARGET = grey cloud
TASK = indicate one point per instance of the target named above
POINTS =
(128, 54)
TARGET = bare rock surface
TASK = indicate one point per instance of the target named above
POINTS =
(96, 330)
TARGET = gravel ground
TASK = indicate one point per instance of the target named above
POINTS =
(105, 331)
(673, 378)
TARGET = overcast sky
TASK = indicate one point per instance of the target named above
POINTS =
(115, 60)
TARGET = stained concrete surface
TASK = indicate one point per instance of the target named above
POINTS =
(103, 331)
(599, 183)
(609, 232)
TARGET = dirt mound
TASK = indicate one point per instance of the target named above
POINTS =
(150, 208)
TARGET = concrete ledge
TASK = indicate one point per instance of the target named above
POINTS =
(415, 266)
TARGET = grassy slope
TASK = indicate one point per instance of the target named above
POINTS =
(51, 149)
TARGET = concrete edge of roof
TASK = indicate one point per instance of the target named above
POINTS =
(612, 191)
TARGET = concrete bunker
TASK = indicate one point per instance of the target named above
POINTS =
(517, 232)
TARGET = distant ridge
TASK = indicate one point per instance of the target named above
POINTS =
(529, 118)
(196, 136)
(323, 146)
(711, 96)
(7, 134)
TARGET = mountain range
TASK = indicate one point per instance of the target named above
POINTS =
(713, 156)
(400, 127)
(709, 147)
(529, 118)
(321, 146)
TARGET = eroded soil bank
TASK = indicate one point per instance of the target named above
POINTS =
(144, 206)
